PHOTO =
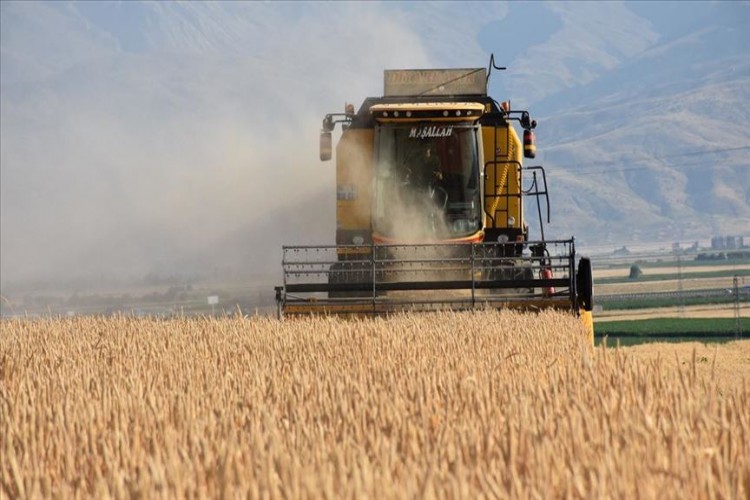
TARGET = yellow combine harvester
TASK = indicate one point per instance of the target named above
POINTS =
(430, 187)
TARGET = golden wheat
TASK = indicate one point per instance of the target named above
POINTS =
(484, 404)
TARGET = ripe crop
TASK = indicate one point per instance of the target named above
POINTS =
(494, 404)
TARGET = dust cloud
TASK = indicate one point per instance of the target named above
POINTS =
(181, 144)
(407, 209)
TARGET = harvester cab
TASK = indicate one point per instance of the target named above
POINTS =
(430, 212)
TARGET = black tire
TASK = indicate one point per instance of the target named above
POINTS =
(585, 284)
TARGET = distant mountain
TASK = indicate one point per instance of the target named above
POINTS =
(659, 146)
(551, 47)
(139, 136)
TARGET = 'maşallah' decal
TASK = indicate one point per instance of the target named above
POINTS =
(430, 131)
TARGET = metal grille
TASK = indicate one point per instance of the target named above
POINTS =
(383, 278)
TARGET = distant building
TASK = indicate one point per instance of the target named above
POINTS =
(727, 242)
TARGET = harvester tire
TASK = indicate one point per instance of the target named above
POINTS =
(585, 284)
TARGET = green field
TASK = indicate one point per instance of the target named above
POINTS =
(678, 327)
(644, 303)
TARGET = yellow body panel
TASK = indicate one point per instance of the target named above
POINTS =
(420, 111)
(503, 145)
(588, 324)
(354, 159)
(428, 106)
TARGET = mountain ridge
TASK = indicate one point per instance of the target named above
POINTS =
(159, 132)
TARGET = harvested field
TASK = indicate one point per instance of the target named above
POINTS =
(700, 311)
(623, 272)
(667, 285)
(483, 404)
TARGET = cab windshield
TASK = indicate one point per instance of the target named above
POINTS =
(427, 182)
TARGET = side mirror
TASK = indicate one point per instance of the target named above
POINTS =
(326, 145)
(525, 120)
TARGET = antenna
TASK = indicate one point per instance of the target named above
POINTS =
(493, 65)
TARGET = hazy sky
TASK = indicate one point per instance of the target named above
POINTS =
(175, 137)
(180, 137)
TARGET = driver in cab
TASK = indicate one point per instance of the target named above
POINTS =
(430, 168)
(432, 177)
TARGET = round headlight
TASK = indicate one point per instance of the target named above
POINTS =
(358, 240)
(503, 238)
(511, 221)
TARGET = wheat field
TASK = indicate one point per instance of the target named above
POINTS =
(486, 404)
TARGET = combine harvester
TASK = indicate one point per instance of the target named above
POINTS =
(430, 189)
